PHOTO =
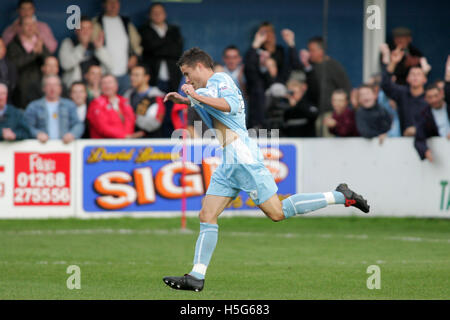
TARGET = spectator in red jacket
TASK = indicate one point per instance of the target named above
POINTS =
(342, 122)
(110, 115)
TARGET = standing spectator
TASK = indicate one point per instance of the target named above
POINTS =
(410, 99)
(122, 41)
(8, 74)
(341, 122)
(13, 126)
(371, 119)
(78, 94)
(233, 65)
(147, 102)
(26, 9)
(434, 120)
(53, 117)
(27, 52)
(257, 60)
(402, 39)
(93, 78)
(324, 75)
(110, 115)
(163, 46)
(49, 68)
(301, 116)
(77, 55)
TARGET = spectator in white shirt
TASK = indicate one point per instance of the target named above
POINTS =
(122, 41)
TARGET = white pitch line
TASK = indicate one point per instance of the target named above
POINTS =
(42, 232)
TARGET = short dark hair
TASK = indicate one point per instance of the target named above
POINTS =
(21, 2)
(230, 47)
(154, 4)
(340, 91)
(317, 40)
(266, 24)
(368, 86)
(106, 75)
(432, 86)
(143, 66)
(76, 83)
(85, 18)
(195, 55)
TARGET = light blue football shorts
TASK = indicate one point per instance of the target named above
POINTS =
(242, 168)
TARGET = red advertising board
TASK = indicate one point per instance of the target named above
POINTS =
(42, 179)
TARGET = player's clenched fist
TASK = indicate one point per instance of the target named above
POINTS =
(188, 89)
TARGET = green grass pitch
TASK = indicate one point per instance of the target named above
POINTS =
(302, 258)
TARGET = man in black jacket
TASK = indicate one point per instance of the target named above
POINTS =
(434, 120)
(163, 46)
(264, 46)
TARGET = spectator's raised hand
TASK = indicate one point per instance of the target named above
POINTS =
(259, 39)
(447, 69)
(288, 37)
(304, 57)
(424, 65)
(385, 53)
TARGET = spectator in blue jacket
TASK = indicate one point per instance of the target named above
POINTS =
(371, 119)
(434, 120)
(13, 126)
(53, 117)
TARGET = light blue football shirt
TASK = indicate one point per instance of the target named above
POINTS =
(221, 85)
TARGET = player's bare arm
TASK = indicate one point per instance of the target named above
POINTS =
(175, 97)
(217, 103)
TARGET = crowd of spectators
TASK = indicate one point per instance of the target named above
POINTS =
(109, 78)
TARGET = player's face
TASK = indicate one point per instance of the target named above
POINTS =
(193, 75)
